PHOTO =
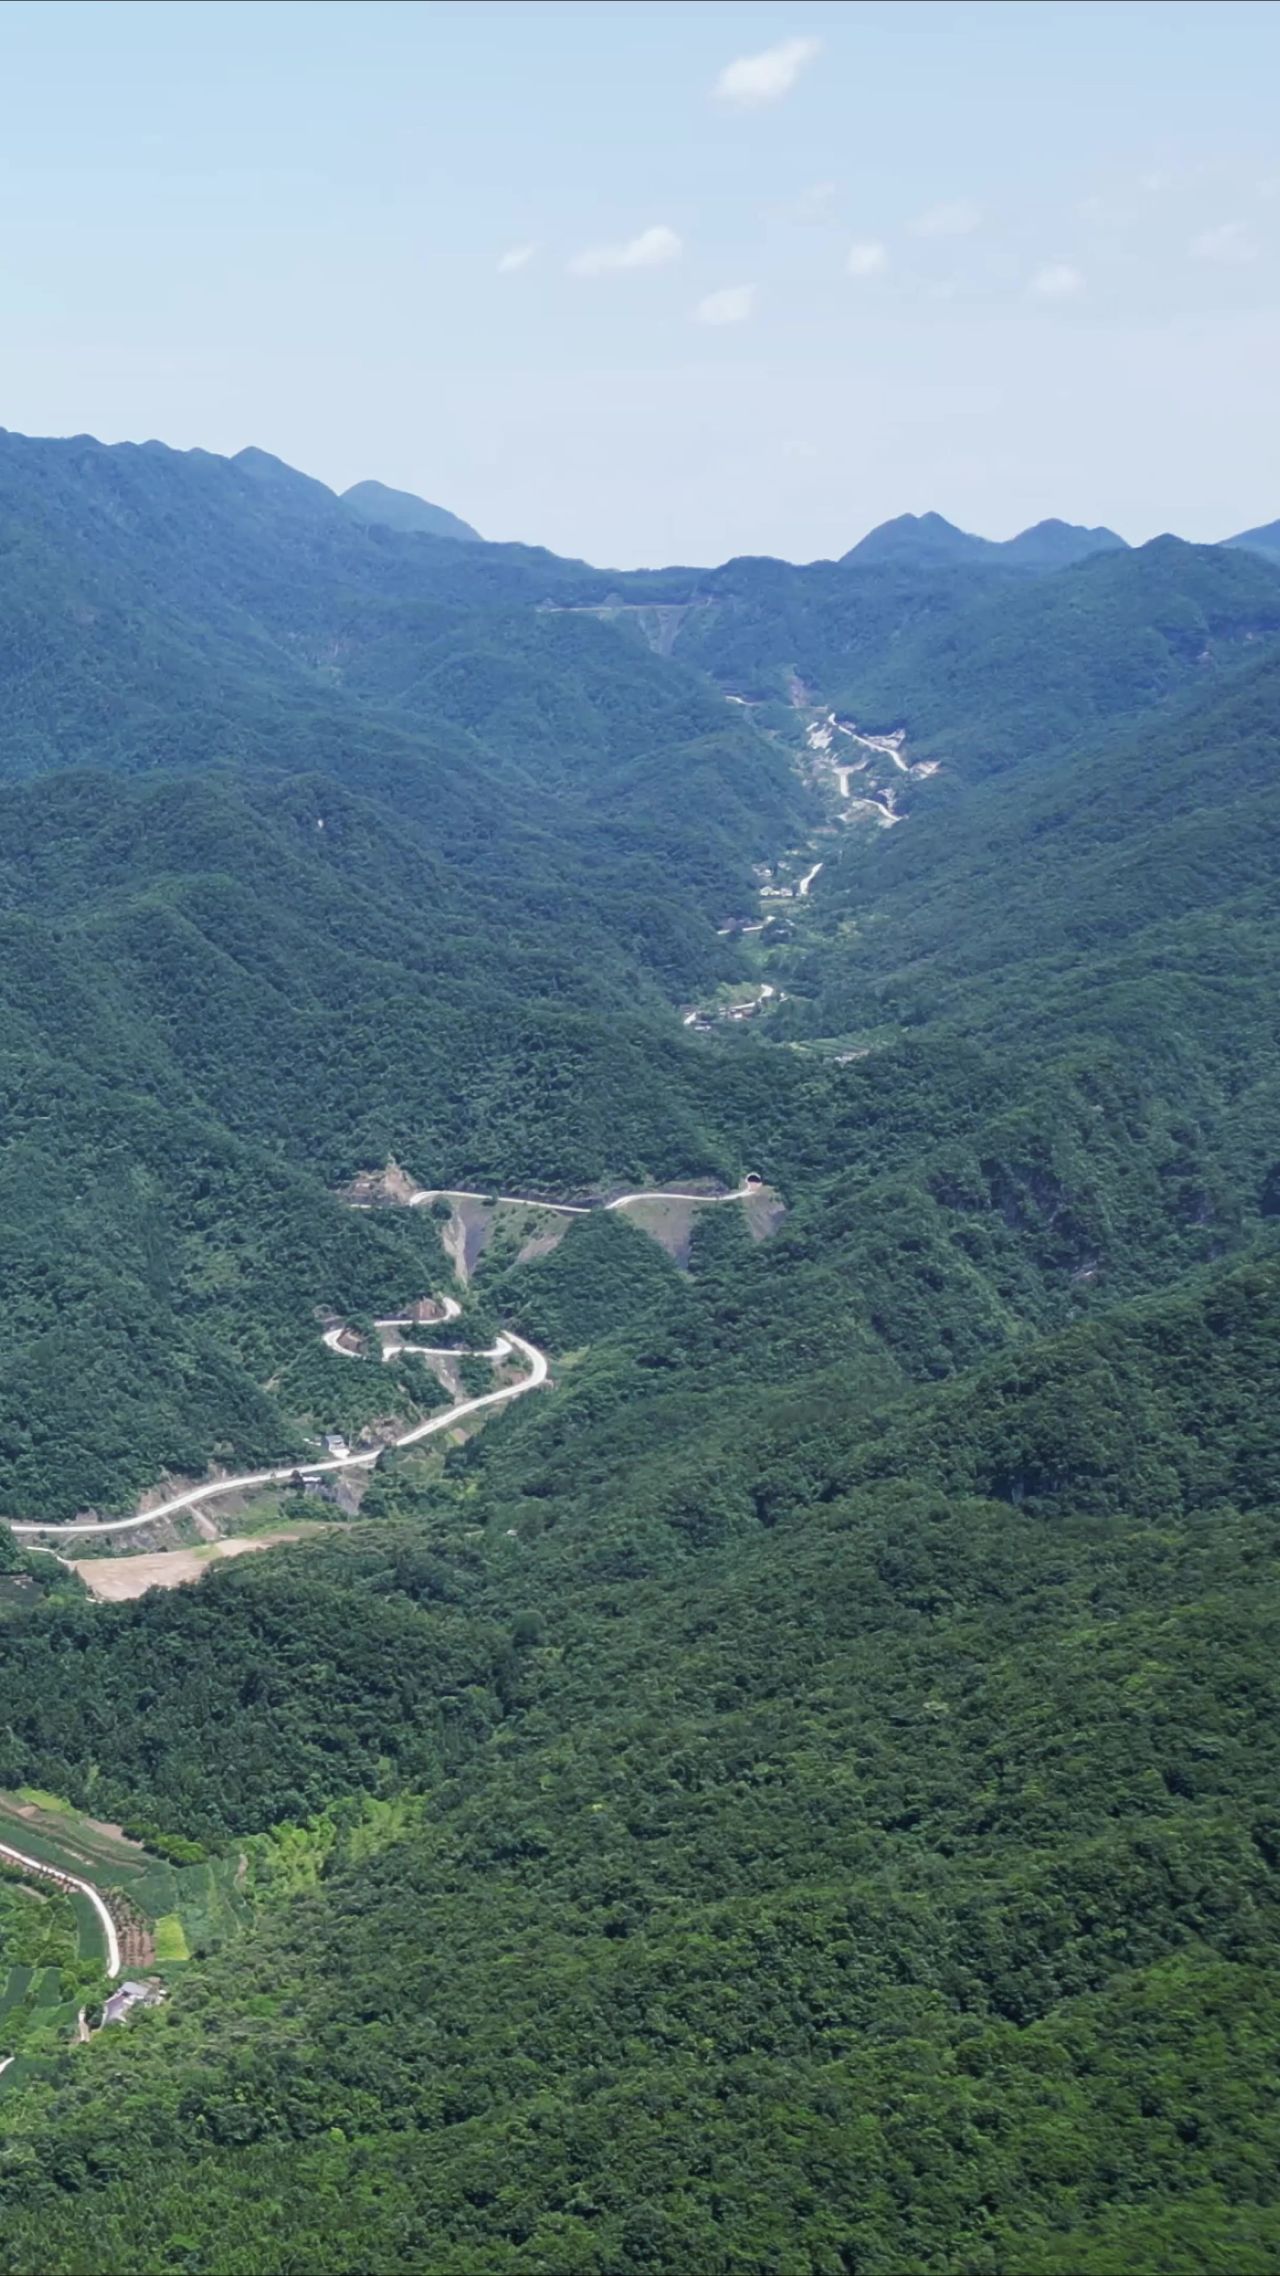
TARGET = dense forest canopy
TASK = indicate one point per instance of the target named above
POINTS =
(797, 1796)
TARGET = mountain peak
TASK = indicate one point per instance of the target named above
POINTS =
(401, 510)
(930, 541)
(1055, 544)
(923, 538)
(276, 474)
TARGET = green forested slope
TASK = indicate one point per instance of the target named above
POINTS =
(217, 1002)
(1016, 675)
(895, 1882)
(796, 1798)
(1119, 901)
(757, 623)
(404, 872)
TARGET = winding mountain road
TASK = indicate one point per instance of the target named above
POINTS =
(393, 1348)
(195, 1495)
(509, 1343)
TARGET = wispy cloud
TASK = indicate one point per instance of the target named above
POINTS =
(1231, 245)
(813, 204)
(515, 257)
(957, 218)
(1057, 280)
(652, 249)
(796, 447)
(1106, 213)
(731, 305)
(750, 81)
(868, 258)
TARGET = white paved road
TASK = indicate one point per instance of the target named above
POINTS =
(214, 1488)
(195, 1495)
(72, 1881)
(572, 1208)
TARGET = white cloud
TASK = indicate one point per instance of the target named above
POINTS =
(652, 249)
(1058, 280)
(1231, 245)
(1106, 213)
(868, 258)
(752, 80)
(796, 447)
(813, 204)
(516, 257)
(731, 305)
(959, 218)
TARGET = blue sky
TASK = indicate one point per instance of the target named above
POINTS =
(663, 282)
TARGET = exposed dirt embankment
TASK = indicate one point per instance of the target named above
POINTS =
(387, 1188)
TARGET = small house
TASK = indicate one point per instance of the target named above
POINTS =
(129, 1995)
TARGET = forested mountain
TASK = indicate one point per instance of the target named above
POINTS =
(433, 896)
(1265, 539)
(894, 1876)
(221, 997)
(986, 657)
(400, 509)
(1027, 670)
(797, 1794)
(929, 541)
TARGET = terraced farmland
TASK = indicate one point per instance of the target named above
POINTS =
(52, 1942)
(46, 1969)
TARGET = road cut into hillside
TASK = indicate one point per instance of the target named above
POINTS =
(82, 1528)
(508, 1346)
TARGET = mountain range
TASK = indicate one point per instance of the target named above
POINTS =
(919, 541)
(798, 1791)
(927, 540)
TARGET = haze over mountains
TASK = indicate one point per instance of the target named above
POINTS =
(919, 540)
(797, 1793)
(922, 540)
(399, 509)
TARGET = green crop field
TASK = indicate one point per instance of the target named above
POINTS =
(14, 1989)
(52, 1946)
(189, 1905)
(57, 1835)
(171, 1942)
(48, 1966)
(36, 1799)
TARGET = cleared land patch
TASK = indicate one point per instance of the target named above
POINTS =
(170, 1939)
(116, 1579)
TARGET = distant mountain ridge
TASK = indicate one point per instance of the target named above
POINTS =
(802, 1797)
(1031, 665)
(368, 502)
(930, 541)
(1264, 539)
(400, 509)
